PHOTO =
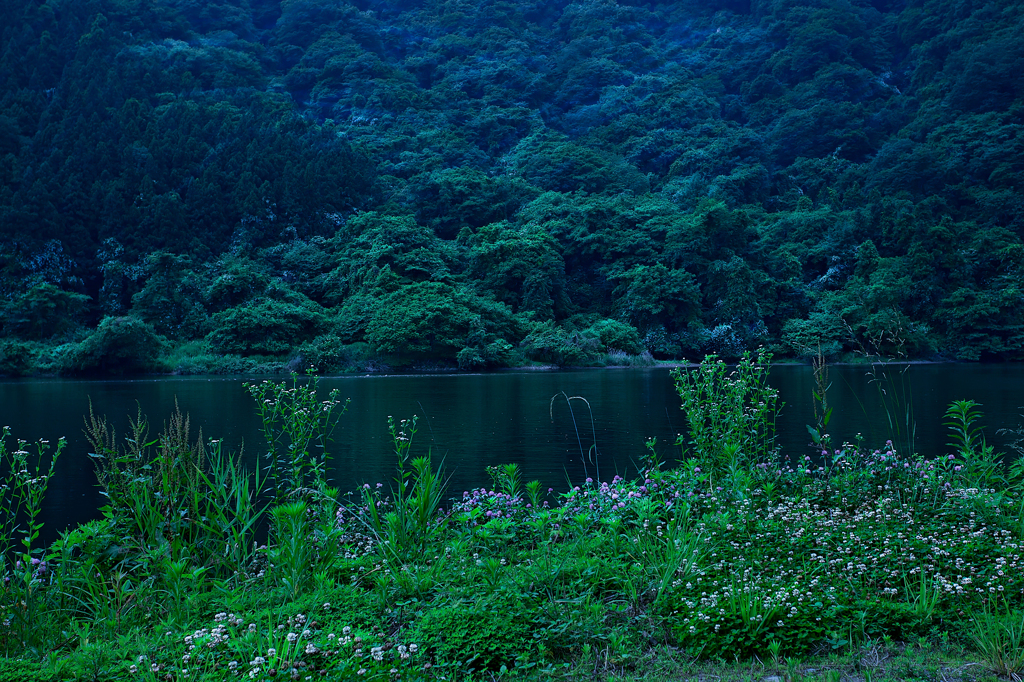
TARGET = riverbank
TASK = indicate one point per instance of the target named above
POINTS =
(865, 563)
(196, 358)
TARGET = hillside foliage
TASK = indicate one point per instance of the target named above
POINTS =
(239, 183)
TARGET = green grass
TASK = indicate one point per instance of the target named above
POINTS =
(862, 564)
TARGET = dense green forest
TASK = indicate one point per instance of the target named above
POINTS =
(237, 185)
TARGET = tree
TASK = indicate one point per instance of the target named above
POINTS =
(119, 345)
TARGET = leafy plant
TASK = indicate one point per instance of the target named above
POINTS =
(961, 420)
(730, 414)
(822, 411)
(22, 490)
(405, 530)
(925, 596)
(292, 551)
(485, 636)
(974, 459)
(154, 487)
(895, 391)
(232, 510)
(507, 478)
(297, 427)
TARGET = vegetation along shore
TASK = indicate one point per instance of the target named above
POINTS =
(250, 186)
(724, 559)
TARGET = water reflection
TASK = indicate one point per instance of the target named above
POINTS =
(471, 421)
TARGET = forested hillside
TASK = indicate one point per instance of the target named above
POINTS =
(236, 185)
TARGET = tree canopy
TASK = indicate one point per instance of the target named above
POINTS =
(489, 183)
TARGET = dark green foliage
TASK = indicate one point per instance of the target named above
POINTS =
(563, 166)
(432, 320)
(119, 345)
(451, 199)
(265, 328)
(12, 670)
(43, 312)
(328, 353)
(482, 636)
(562, 347)
(520, 267)
(171, 299)
(710, 173)
(15, 358)
(615, 335)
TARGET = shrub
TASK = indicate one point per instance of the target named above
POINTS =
(15, 358)
(119, 345)
(562, 347)
(429, 320)
(329, 353)
(615, 335)
(265, 328)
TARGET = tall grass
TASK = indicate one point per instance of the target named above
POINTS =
(720, 556)
(591, 454)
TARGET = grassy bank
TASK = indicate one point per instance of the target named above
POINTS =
(737, 562)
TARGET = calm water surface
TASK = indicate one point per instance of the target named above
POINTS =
(477, 420)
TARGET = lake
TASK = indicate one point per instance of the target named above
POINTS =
(472, 421)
